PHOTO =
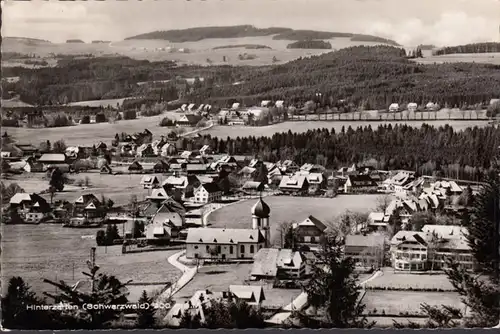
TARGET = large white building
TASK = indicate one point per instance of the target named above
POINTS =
(230, 243)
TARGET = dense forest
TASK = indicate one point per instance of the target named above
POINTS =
(368, 77)
(309, 44)
(469, 48)
(372, 77)
(245, 46)
(200, 33)
(428, 150)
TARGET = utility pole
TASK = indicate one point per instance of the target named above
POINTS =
(92, 264)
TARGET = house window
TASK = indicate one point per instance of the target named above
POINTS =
(218, 249)
(313, 239)
(230, 249)
(242, 249)
(195, 247)
(207, 248)
(252, 250)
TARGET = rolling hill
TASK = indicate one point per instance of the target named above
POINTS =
(201, 33)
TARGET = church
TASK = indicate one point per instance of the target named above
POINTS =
(231, 243)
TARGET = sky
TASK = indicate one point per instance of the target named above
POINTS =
(409, 22)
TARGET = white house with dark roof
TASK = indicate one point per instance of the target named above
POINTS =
(158, 233)
(253, 295)
(207, 193)
(281, 263)
(149, 182)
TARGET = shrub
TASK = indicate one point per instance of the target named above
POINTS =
(85, 120)
(167, 122)
(100, 118)
(493, 109)
(10, 122)
(129, 114)
(58, 120)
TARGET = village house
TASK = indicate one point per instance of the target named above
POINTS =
(186, 184)
(173, 220)
(135, 167)
(190, 120)
(296, 184)
(275, 176)
(271, 263)
(168, 150)
(310, 232)
(157, 145)
(145, 150)
(27, 150)
(206, 150)
(253, 187)
(158, 233)
(150, 182)
(288, 166)
(31, 207)
(161, 167)
(106, 169)
(252, 295)
(32, 166)
(312, 168)
(195, 168)
(428, 250)
(49, 159)
(247, 173)
(366, 250)
(360, 183)
(394, 107)
(207, 193)
(378, 221)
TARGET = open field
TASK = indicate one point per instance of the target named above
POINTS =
(288, 209)
(244, 131)
(392, 279)
(218, 278)
(485, 58)
(58, 253)
(117, 187)
(199, 51)
(394, 302)
(90, 134)
(99, 103)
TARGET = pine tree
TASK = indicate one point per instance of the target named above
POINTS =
(15, 312)
(146, 316)
(333, 289)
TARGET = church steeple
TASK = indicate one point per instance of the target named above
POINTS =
(260, 219)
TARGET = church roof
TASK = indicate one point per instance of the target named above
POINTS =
(261, 209)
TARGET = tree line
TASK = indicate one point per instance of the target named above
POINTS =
(427, 150)
(372, 76)
(469, 48)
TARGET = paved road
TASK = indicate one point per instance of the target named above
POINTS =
(187, 276)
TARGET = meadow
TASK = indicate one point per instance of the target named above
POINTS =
(58, 253)
(290, 208)
(396, 302)
(91, 134)
(119, 188)
(392, 279)
(199, 51)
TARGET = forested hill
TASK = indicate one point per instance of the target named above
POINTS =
(372, 77)
(469, 48)
(200, 33)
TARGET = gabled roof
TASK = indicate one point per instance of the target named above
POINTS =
(168, 218)
(178, 181)
(293, 182)
(19, 198)
(206, 235)
(157, 230)
(135, 166)
(446, 231)
(250, 293)
(409, 236)
(149, 180)
(211, 188)
(361, 180)
(247, 170)
(87, 198)
(158, 193)
(311, 221)
(253, 185)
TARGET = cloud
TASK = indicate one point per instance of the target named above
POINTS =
(450, 28)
